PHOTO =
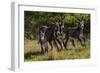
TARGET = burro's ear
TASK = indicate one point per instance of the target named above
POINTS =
(81, 18)
(63, 17)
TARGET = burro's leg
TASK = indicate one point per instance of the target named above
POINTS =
(73, 42)
(50, 42)
(80, 38)
(42, 48)
(46, 47)
(55, 44)
(84, 39)
(65, 44)
(59, 42)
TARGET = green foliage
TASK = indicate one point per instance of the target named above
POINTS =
(34, 20)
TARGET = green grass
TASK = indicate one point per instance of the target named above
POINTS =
(32, 52)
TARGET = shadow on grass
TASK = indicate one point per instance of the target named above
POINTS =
(29, 54)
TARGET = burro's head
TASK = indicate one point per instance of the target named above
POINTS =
(81, 24)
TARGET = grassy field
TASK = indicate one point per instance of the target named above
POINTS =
(32, 52)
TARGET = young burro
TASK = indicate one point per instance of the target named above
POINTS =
(51, 35)
(43, 39)
(76, 33)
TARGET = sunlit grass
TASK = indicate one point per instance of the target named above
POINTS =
(32, 52)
